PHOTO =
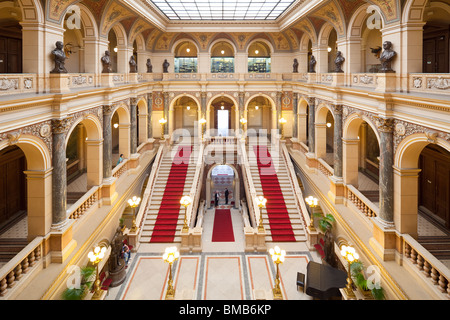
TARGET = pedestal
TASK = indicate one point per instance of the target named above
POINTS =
(133, 78)
(109, 194)
(59, 82)
(62, 243)
(107, 80)
(117, 276)
(337, 190)
(312, 77)
(338, 79)
(147, 76)
(386, 82)
(383, 241)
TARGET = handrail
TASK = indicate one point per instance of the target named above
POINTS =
(149, 189)
(298, 195)
(120, 169)
(248, 183)
(430, 266)
(14, 269)
(196, 186)
(200, 216)
(361, 202)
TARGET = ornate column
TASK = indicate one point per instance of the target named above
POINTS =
(149, 115)
(337, 191)
(109, 193)
(133, 125)
(242, 109)
(59, 174)
(311, 124)
(166, 112)
(278, 102)
(295, 111)
(107, 141)
(338, 141)
(203, 102)
(385, 127)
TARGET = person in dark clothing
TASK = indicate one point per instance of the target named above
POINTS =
(226, 195)
(216, 199)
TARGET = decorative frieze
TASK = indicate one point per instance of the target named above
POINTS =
(41, 130)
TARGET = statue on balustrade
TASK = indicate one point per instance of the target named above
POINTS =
(166, 66)
(133, 65)
(338, 62)
(59, 57)
(106, 62)
(295, 66)
(116, 262)
(386, 57)
(312, 64)
(149, 66)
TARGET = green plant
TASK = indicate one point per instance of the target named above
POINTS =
(325, 221)
(356, 270)
(121, 221)
(87, 279)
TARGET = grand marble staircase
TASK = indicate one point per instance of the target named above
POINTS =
(165, 215)
(281, 216)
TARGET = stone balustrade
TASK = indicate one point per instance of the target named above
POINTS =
(120, 169)
(361, 202)
(438, 83)
(21, 265)
(14, 83)
(325, 168)
(79, 208)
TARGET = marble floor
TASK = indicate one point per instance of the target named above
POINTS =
(223, 271)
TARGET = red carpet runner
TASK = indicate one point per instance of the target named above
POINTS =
(223, 226)
(280, 224)
(167, 219)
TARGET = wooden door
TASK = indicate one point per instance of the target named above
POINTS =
(436, 48)
(10, 55)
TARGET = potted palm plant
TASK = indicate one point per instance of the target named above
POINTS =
(356, 269)
(87, 279)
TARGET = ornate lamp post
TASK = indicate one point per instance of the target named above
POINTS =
(162, 121)
(170, 256)
(351, 256)
(134, 202)
(261, 201)
(282, 122)
(202, 122)
(277, 257)
(243, 121)
(312, 202)
(95, 257)
(185, 201)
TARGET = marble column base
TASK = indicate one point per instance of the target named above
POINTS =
(59, 82)
(383, 241)
(337, 190)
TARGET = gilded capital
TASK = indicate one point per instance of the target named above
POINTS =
(385, 124)
(60, 125)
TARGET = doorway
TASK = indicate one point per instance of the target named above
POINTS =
(223, 122)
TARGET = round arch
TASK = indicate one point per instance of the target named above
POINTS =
(32, 10)
(123, 126)
(172, 116)
(209, 105)
(222, 39)
(236, 188)
(260, 39)
(351, 126)
(142, 120)
(272, 113)
(406, 179)
(413, 10)
(183, 39)
(358, 18)
(93, 127)
(322, 131)
(35, 150)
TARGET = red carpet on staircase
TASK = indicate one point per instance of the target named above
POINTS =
(280, 224)
(223, 226)
(167, 219)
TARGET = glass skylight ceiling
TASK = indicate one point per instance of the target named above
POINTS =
(222, 9)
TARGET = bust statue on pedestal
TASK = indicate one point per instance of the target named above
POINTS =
(59, 57)
(106, 62)
(386, 57)
(338, 62)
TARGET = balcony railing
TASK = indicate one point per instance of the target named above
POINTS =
(429, 82)
(18, 83)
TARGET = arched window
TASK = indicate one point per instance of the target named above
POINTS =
(185, 58)
(259, 57)
(222, 58)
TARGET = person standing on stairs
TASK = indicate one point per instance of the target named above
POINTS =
(226, 195)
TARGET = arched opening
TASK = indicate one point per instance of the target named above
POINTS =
(185, 117)
(332, 50)
(371, 48)
(434, 186)
(222, 58)
(223, 179)
(324, 127)
(436, 33)
(120, 136)
(113, 49)
(361, 158)
(84, 159)
(73, 47)
(259, 117)
(13, 193)
(222, 117)
(10, 38)
(185, 57)
(258, 57)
